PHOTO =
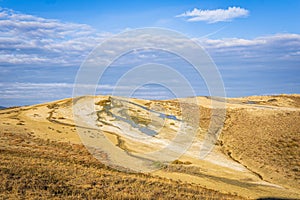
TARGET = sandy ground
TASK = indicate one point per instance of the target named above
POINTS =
(100, 122)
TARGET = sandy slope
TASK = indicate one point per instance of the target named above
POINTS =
(257, 154)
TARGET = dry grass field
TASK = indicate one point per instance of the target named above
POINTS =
(257, 154)
(267, 141)
(34, 168)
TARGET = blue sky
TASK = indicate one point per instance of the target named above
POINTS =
(255, 44)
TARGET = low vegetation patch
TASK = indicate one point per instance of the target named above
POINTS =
(32, 168)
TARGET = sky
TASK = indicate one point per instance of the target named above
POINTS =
(255, 45)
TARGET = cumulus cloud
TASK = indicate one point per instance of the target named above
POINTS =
(31, 40)
(36, 41)
(213, 16)
(27, 39)
(280, 48)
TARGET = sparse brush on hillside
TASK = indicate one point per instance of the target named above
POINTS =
(268, 143)
(32, 168)
(257, 154)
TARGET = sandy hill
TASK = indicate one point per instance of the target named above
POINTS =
(257, 153)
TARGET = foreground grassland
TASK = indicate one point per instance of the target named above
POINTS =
(256, 156)
(33, 168)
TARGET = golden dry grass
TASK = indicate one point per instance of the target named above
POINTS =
(263, 134)
(41, 155)
(266, 142)
(33, 168)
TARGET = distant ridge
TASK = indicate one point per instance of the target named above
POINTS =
(2, 107)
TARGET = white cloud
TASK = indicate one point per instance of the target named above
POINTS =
(27, 39)
(213, 16)
(269, 49)
(35, 41)
(31, 40)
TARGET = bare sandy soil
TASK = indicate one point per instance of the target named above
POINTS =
(257, 153)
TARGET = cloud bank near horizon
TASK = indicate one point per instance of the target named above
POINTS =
(27, 40)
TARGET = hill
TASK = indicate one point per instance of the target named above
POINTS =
(257, 154)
